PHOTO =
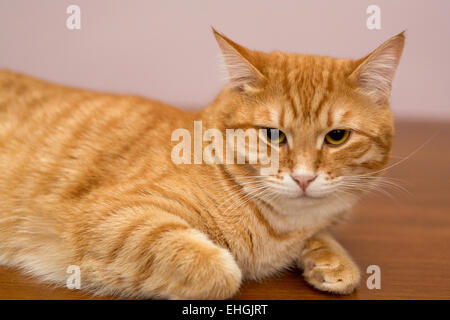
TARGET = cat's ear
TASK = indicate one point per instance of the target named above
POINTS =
(242, 73)
(373, 76)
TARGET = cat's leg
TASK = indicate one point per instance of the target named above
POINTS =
(327, 266)
(157, 255)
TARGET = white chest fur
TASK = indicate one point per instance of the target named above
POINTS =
(292, 222)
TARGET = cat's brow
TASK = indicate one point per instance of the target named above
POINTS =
(341, 117)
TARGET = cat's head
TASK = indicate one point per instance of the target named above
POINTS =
(335, 123)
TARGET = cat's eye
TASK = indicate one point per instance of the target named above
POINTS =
(275, 136)
(337, 137)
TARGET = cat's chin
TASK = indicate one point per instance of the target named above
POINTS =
(307, 197)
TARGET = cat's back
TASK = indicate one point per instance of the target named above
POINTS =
(30, 99)
(22, 95)
(57, 140)
(32, 109)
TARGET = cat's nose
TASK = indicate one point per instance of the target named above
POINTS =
(303, 181)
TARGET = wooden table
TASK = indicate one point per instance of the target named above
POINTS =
(407, 236)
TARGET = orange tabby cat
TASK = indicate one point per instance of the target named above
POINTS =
(87, 178)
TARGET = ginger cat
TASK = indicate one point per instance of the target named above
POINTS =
(87, 178)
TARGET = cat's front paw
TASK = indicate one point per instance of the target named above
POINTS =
(330, 271)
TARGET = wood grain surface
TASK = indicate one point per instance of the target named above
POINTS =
(406, 234)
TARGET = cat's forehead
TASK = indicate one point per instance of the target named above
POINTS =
(307, 89)
(279, 65)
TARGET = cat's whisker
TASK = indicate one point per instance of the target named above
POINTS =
(231, 193)
(376, 182)
(236, 178)
(254, 196)
(367, 189)
(238, 190)
(231, 196)
(254, 190)
(405, 158)
(238, 204)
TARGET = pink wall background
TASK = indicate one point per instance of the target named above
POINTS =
(164, 49)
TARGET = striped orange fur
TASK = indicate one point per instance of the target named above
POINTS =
(87, 178)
